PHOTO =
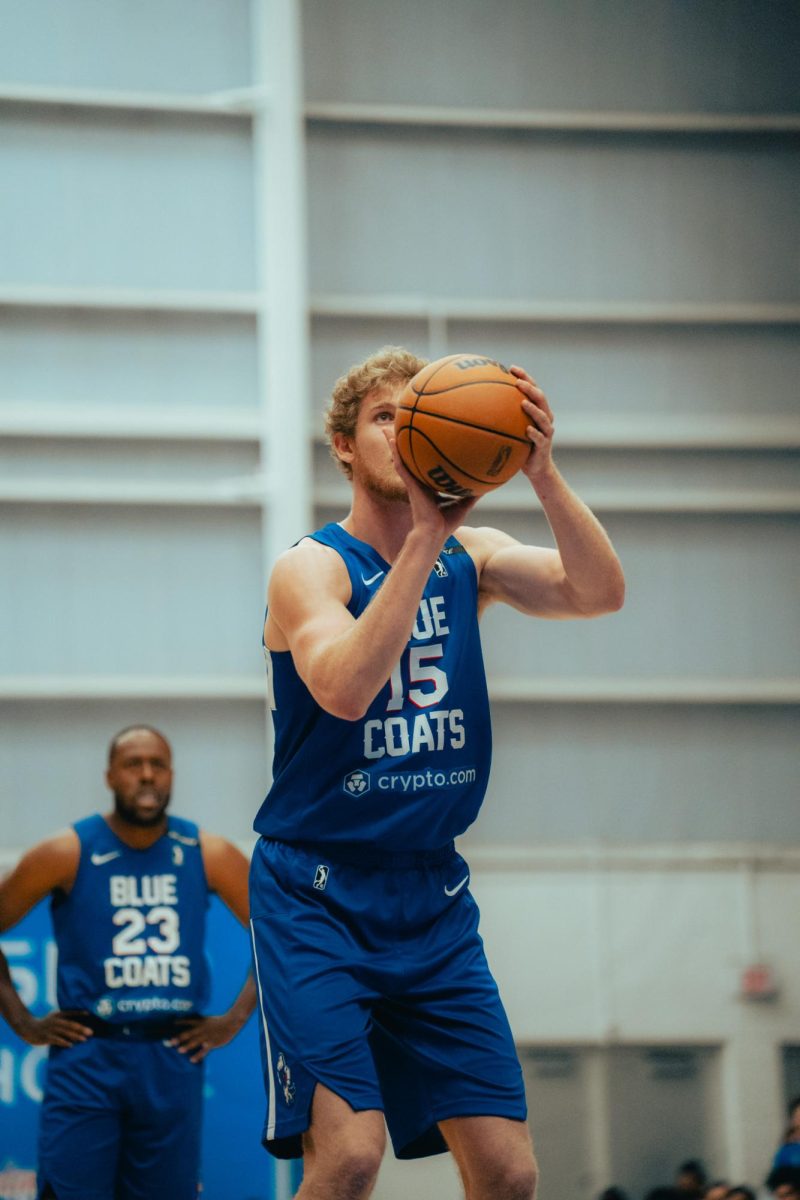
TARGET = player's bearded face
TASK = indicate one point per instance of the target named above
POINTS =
(140, 778)
(382, 481)
(145, 807)
(372, 464)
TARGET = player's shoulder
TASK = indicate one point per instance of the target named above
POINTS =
(64, 845)
(308, 569)
(482, 541)
(307, 556)
(52, 862)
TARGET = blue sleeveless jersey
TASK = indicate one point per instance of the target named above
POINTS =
(131, 932)
(411, 774)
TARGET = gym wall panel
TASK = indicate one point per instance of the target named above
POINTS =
(707, 596)
(149, 460)
(662, 56)
(126, 199)
(337, 343)
(131, 592)
(158, 45)
(126, 359)
(627, 774)
(643, 370)
(509, 215)
(602, 369)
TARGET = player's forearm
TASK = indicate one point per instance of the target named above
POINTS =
(12, 1009)
(351, 670)
(245, 1002)
(593, 571)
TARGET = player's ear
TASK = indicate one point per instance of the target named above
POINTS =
(344, 447)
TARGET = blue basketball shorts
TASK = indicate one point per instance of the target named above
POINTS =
(373, 981)
(120, 1121)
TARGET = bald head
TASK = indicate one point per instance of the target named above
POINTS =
(131, 731)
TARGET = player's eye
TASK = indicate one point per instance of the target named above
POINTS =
(385, 414)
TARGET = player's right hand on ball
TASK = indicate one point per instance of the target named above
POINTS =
(425, 503)
(56, 1029)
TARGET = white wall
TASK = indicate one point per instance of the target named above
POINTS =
(650, 950)
(644, 949)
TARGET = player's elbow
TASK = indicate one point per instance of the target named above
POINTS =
(610, 599)
(604, 598)
(336, 690)
(348, 712)
(344, 705)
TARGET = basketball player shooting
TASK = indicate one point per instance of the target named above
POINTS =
(375, 994)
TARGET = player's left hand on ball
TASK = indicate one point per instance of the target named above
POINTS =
(542, 424)
(203, 1034)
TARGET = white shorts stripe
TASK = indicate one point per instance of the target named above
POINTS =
(270, 1075)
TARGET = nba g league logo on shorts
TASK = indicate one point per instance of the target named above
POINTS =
(356, 783)
(285, 1078)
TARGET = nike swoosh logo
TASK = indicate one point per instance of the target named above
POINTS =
(99, 859)
(452, 891)
(372, 579)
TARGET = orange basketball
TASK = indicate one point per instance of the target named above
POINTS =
(460, 425)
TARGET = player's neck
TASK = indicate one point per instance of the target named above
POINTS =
(138, 837)
(382, 524)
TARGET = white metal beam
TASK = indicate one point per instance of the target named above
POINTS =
(551, 120)
(227, 104)
(97, 299)
(549, 312)
(249, 491)
(699, 691)
(231, 423)
(279, 164)
(147, 422)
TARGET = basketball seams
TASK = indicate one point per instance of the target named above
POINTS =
(407, 429)
(445, 362)
(444, 457)
(465, 383)
(512, 437)
(413, 410)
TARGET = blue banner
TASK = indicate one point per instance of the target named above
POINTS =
(235, 1166)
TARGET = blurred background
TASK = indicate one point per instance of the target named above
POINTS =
(209, 210)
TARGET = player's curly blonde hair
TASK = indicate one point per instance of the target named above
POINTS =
(390, 365)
